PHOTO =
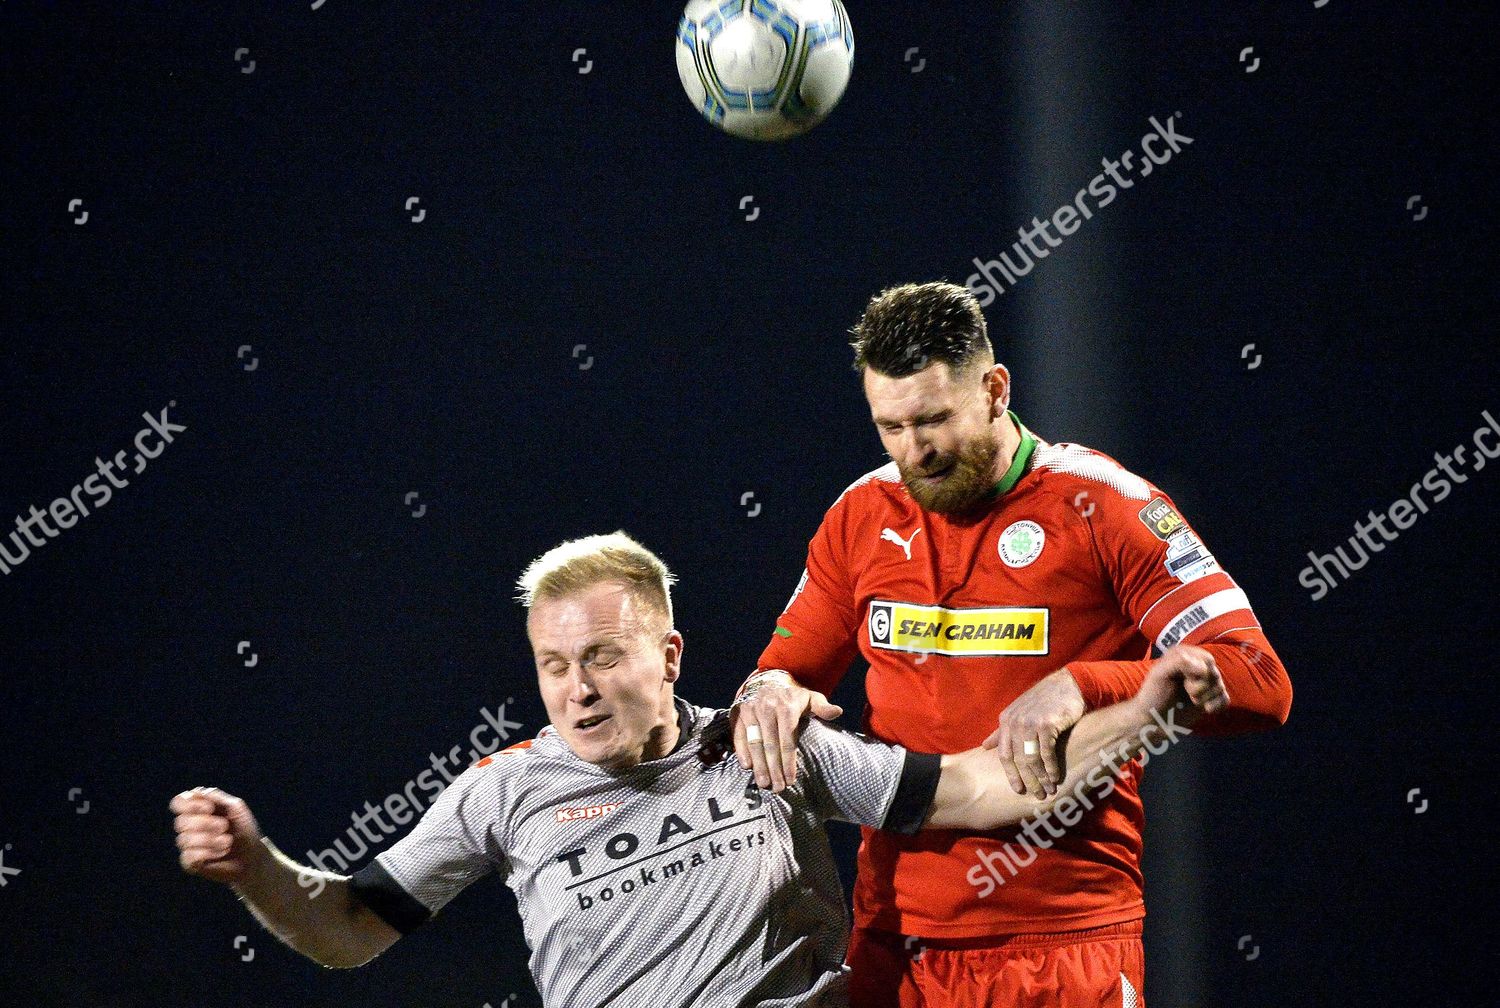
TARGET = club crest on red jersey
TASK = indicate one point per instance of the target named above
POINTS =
(1021, 543)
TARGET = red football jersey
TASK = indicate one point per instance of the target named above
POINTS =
(1076, 562)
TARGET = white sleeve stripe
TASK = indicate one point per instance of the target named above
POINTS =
(1150, 609)
(1229, 630)
(1220, 603)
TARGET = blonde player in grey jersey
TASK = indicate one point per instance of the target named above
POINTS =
(648, 868)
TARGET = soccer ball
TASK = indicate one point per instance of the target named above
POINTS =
(765, 69)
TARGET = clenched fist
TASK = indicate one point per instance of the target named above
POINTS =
(216, 835)
(1185, 669)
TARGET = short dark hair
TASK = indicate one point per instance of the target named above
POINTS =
(905, 328)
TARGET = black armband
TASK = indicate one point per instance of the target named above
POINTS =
(373, 886)
(914, 793)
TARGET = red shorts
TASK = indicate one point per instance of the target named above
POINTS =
(1101, 967)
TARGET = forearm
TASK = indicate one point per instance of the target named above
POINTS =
(819, 682)
(816, 657)
(1106, 683)
(312, 911)
(973, 792)
(1260, 693)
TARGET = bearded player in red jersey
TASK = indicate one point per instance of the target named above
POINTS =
(987, 575)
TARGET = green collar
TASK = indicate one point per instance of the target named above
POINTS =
(1020, 462)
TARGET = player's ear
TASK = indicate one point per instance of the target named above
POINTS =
(673, 646)
(997, 383)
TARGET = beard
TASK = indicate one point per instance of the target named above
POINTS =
(969, 482)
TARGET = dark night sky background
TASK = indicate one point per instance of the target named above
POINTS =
(268, 209)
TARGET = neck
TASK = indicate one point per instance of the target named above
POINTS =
(1010, 443)
(664, 736)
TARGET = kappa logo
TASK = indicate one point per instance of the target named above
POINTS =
(586, 812)
(890, 536)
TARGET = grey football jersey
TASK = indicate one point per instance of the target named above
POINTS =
(676, 882)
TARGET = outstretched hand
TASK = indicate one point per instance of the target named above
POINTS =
(1026, 737)
(767, 720)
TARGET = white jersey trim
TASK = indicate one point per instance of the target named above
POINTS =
(1198, 613)
(1076, 460)
(888, 473)
(1146, 616)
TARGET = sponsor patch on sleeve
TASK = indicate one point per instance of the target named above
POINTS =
(1187, 558)
(1162, 519)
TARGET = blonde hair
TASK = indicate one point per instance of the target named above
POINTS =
(582, 563)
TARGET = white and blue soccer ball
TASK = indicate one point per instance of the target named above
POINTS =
(765, 69)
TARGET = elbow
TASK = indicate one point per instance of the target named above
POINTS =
(345, 950)
(328, 958)
(1260, 691)
(1276, 705)
(343, 959)
(1271, 713)
(335, 963)
(1283, 709)
(346, 964)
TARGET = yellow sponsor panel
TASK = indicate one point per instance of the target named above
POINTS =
(1009, 630)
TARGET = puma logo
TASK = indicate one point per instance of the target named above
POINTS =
(889, 535)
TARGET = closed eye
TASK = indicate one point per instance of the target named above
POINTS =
(603, 657)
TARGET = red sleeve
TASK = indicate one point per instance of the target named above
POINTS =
(815, 638)
(1169, 583)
